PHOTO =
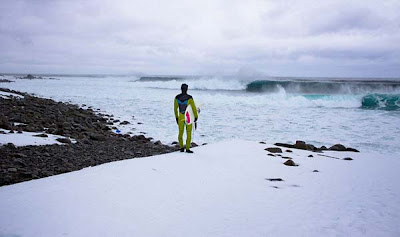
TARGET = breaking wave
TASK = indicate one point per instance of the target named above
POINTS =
(325, 87)
(381, 101)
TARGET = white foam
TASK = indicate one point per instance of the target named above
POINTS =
(204, 83)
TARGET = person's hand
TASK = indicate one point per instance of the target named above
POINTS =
(177, 121)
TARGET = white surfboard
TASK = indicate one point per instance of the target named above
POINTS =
(189, 115)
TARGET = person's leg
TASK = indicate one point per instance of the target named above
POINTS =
(188, 136)
(181, 125)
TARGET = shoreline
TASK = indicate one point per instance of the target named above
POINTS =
(232, 188)
(95, 142)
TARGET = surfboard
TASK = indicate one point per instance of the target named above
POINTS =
(189, 115)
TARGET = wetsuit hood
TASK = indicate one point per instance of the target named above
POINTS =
(184, 88)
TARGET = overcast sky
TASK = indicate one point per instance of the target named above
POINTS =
(276, 38)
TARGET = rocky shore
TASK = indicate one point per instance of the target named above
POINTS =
(95, 142)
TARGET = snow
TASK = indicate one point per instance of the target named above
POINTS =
(7, 95)
(28, 138)
(220, 190)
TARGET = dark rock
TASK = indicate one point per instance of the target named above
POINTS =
(352, 149)
(275, 179)
(158, 143)
(10, 146)
(124, 123)
(301, 145)
(193, 144)
(337, 147)
(139, 123)
(204, 144)
(274, 149)
(315, 171)
(289, 151)
(270, 154)
(290, 163)
(11, 131)
(310, 156)
(34, 162)
(41, 135)
(116, 120)
(174, 143)
(286, 157)
(285, 145)
(19, 162)
(262, 142)
(29, 76)
(323, 148)
(18, 155)
(64, 140)
(12, 169)
(97, 137)
(347, 158)
(311, 147)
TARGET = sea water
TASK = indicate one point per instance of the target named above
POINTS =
(364, 114)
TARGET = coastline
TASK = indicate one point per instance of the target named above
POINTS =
(230, 188)
(95, 142)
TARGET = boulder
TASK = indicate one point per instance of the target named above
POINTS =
(323, 148)
(97, 137)
(337, 147)
(274, 149)
(64, 140)
(352, 149)
(290, 163)
(310, 156)
(285, 145)
(301, 145)
(41, 135)
(311, 147)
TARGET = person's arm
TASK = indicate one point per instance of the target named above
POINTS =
(176, 109)
(191, 102)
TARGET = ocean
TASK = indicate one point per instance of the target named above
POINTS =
(360, 113)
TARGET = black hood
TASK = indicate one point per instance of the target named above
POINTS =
(184, 88)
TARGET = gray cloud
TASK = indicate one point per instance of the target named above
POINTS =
(294, 38)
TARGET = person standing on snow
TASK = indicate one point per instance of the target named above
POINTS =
(181, 102)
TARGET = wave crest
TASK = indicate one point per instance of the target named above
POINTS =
(381, 101)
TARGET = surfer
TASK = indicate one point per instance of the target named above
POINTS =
(181, 102)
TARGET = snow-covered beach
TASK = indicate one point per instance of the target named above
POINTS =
(232, 187)
(220, 190)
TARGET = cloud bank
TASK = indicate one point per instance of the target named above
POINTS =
(280, 38)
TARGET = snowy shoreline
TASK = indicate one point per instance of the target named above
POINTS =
(41, 137)
(230, 188)
(223, 189)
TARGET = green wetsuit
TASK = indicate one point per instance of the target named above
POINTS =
(180, 104)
